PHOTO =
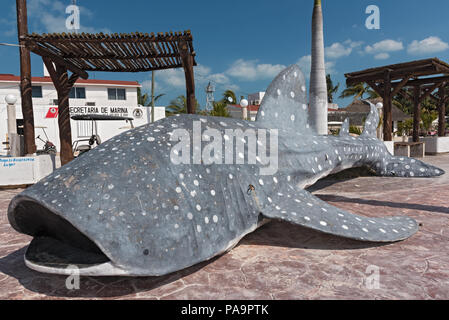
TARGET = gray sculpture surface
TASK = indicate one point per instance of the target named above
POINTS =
(126, 208)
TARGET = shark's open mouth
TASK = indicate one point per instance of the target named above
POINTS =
(57, 244)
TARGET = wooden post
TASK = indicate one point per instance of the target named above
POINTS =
(187, 63)
(442, 112)
(63, 86)
(388, 117)
(152, 97)
(416, 112)
(25, 79)
(65, 129)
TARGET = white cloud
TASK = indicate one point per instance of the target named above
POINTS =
(382, 56)
(338, 50)
(174, 79)
(385, 46)
(50, 16)
(426, 46)
(250, 70)
(305, 63)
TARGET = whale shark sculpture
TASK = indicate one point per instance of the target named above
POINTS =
(125, 209)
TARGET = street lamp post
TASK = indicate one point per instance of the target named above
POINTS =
(13, 137)
(244, 104)
(380, 109)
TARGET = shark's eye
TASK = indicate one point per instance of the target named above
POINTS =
(146, 252)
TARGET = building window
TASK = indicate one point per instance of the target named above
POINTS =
(116, 94)
(77, 93)
(37, 92)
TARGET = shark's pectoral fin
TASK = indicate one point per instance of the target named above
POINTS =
(302, 208)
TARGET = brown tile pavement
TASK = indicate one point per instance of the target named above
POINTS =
(282, 261)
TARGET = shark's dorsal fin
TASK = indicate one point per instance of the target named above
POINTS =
(344, 131)
(372, 121)
(285, 103)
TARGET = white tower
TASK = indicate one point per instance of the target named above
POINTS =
(210, 99)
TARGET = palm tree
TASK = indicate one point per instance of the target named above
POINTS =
(220, 110)
(358, 91)
(178, 105)
(230, 97)
(318, 89)
(145, 99)
(331, 89)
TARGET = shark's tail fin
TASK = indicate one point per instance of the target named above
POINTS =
(372, 122)
(344, 131)
(285, 103)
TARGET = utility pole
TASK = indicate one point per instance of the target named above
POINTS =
(152, 96)
(25, 78)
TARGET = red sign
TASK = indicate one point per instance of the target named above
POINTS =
(52, 113)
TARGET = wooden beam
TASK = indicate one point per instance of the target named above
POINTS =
(416, 113)
(25, 79)
(56, 59)
(52, 71)
(187, 62)
(401, 85)
(424, 81)
(72, 80)
(428, 91)
(379, 90)
(405, 94)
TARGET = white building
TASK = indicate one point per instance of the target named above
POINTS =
(105, 97)
(255, 99)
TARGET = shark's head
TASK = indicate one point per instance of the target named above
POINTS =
(124, 209)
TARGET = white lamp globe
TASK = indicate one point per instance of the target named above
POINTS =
(379, 105)
(11, 99)
(244, 103)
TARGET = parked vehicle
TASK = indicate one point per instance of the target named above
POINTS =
(82, 146)
(49, 147)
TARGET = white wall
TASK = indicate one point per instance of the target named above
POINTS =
(256, 96)
(435, 145)
(94, 93)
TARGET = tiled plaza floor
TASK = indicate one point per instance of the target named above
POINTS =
(282, 261)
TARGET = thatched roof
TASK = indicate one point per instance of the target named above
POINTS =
(358, 110)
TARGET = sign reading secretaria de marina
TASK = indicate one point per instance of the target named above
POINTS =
(52, 112)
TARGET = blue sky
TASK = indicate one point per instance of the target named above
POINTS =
(242, 45)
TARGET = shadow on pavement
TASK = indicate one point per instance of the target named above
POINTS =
(379, 203)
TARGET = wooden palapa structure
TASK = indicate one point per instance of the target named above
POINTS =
(80, 53)
(424, 76)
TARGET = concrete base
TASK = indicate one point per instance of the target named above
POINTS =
(436, 145)
(410, 149)
(25, 170)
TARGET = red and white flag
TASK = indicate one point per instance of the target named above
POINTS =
(52, 113)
